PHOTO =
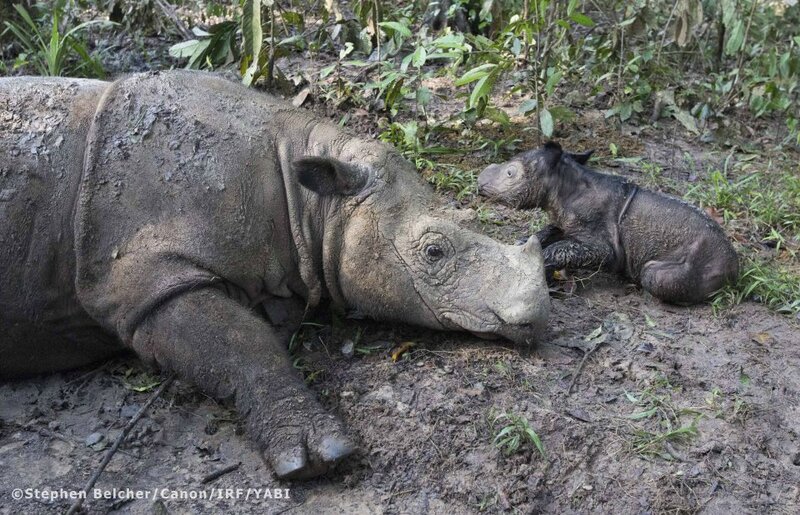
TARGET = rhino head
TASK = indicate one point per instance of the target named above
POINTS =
(526, 180)
(390, 252)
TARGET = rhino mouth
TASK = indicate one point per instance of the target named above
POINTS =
(492, 329)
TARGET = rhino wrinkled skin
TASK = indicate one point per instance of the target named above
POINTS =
(673, 249)
(195, 221)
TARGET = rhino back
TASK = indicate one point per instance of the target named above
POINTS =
(43, 127)
(659, 227)
(183, 188)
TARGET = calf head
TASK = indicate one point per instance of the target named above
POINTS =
(525, 180)
(401, 257)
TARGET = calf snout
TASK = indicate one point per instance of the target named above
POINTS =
(486, 180)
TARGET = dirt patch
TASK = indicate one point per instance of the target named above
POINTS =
(426, 423)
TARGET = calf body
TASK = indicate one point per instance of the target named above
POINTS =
(195, 221)
(674, 250)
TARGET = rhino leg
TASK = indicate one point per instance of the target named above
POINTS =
(679, 282)
(549, 234)
(572, 254)
(227, 350)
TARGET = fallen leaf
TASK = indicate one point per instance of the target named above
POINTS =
(301, 97)
(763, 338)
(715, 215)
(401, 349)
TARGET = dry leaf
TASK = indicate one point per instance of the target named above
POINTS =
(401, 349)
(763, 338)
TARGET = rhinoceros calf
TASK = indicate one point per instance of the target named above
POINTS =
(193, 220)
(674, 250)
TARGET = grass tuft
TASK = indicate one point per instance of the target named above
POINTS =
(515, 432)
(765, 282)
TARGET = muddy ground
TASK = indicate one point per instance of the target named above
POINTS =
(641, 407)
(426, 422)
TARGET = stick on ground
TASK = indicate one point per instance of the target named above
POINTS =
(219, 473)
(110, 454)
(577, 373)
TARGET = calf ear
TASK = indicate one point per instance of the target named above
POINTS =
(552, 153)
(328, 176)
(582, 158)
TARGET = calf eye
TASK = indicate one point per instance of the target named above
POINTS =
(434, 252)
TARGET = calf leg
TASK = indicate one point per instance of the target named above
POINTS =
(679, 282)
(549, 234)
(227, 350)
(571, 254)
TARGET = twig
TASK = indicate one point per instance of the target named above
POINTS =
(740, 60)
(271, 61)
(664, 35)
(88, 375)
(396, 494)
(110, 454)
(219, 473)
(85, 379)
(621, 66)
(577, 373)
(436, 447)
(170, 13)
(375, 15)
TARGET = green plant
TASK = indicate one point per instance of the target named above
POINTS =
(532, 45)
(765, 282)
(213, 48)
(241, 41)
(486, 216)
(658, 420)
(771, 205)
(651, 443)
(54, 50)
(397, 83)
(515, 432)
(652, 174)
(463, 183)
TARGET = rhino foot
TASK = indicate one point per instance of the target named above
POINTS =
(301, 439)
(310, 448)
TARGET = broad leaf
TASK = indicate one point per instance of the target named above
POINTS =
(479, 72)
(546, 122)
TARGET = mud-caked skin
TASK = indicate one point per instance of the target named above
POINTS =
(195, 221)
(673, 249)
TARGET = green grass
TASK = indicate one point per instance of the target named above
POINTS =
(766, 282)
(463, 183)
(770, 206)
(652, 174)
(515, 433)
(766, 209)
(647, 443)
(658, 420)
(51, 52)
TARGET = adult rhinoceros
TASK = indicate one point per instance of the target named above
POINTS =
(178, 214)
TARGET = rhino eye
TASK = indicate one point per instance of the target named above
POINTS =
(434, 252)
(510, 172)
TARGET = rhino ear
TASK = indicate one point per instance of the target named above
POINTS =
(552, 153)
(328, 176)
(583, 158)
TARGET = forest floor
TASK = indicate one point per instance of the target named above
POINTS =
(641, 407)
